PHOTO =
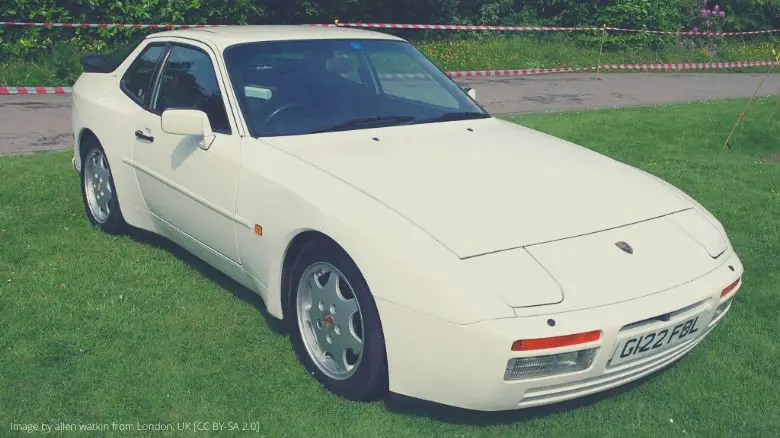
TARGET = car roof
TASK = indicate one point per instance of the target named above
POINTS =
(225, 36)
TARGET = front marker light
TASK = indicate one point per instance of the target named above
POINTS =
(730, 287)
(540, 366)
(726, 304)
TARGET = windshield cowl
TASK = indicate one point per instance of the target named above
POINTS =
(387, 121)
(368, 122)
(452, 117)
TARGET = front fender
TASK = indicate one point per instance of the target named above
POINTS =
(401, 263)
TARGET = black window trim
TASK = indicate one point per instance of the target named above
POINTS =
(143, 102)
(157, 81)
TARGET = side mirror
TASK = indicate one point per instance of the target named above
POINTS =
(471, 92)
(188, 122)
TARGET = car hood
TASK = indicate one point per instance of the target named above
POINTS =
(487, 185)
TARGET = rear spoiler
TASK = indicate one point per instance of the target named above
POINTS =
(109, 63)
(97, 64)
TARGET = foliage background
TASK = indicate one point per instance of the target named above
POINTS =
(44, 56)
(652, 14)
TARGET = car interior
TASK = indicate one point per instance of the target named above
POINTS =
(298, 95)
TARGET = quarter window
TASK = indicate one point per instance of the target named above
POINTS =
(188, 81)
(136, 81)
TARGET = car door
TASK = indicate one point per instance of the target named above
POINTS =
(190, 191)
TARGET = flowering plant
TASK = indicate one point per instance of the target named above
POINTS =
(712, 20)
(714, 12)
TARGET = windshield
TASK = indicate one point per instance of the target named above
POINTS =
(305, 87)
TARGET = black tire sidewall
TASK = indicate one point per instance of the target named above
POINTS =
(115, 223)
(370, 380)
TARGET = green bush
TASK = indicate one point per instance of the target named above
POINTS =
(644, 14)
(18, 42)
(744, 15)
(21, 42)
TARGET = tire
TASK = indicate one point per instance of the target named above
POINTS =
(98, 192)
(367, 379)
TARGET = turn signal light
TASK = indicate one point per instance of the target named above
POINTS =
(730, 287)
(555, 342)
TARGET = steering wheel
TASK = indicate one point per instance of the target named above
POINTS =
(283, 108)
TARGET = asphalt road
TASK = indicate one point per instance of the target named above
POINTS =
(36, 123)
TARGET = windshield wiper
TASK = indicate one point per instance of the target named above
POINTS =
(451, 117)
(367, 122)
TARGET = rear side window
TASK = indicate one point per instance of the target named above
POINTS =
(189, 81)
(138, 78)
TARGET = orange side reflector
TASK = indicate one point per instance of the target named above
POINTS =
(557, 341)
(258, 230)
(730, 287)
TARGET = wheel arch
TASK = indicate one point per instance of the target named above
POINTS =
(83, 136)
(128, 193)
(372, 383)
(294, 249)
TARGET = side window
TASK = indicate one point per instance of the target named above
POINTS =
(403, 77)
(138, 78)
(188, 81)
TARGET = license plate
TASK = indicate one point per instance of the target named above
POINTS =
(650, 343)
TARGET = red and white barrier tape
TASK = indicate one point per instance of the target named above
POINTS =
(401, 76)
(456, 27)
(105, 25)
(694, 33)
(469, 27)
(461, 27)
(614, 67)
(35, 90)
(495, 73)
(608, 67)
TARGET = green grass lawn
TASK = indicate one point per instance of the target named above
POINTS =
(550, 51)
(130, 329)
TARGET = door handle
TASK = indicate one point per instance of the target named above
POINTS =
(143, 136)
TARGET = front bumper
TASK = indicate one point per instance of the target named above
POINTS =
(76, 160)
(464, 365)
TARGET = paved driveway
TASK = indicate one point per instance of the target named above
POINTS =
(580, 91)
(38, 123)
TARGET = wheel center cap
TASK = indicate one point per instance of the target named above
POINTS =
(327, 321)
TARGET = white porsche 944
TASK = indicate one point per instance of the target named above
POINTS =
(411, 242)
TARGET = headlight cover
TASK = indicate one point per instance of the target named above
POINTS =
(701, 230)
